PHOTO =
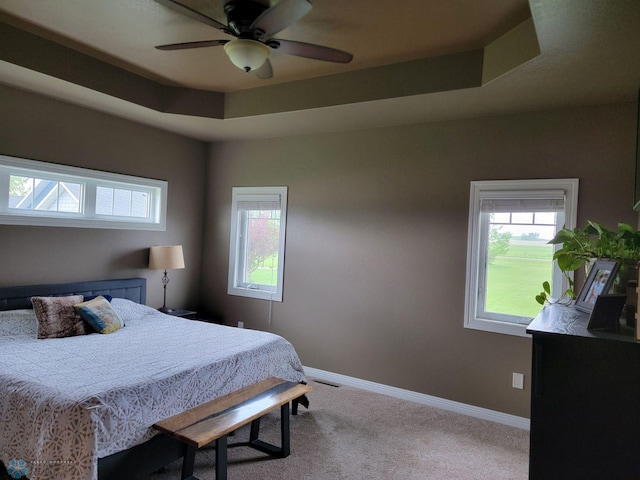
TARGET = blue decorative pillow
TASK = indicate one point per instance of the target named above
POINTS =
(100, 315)
(108, 298)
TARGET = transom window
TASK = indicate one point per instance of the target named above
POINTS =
(40, 193)
(122, 202)
(510, 223)
(29, 193)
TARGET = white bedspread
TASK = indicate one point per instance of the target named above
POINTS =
(67, 402)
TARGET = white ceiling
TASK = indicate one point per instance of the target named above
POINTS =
(590, 54)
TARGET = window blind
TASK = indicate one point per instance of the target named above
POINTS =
(534, 201)
(259, 202)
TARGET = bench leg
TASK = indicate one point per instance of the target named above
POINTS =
(284, 430)
(285, 449)
(221, 458)
(301, 400)
(255, 430)
(188, 463)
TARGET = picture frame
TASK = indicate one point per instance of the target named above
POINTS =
(636, 194)
(607, 312)
(598, 282)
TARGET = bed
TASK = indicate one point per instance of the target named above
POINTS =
(81, 407)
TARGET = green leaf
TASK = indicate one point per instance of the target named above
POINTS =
(562, 236)
(547, 287)
(593, 228)
(540, 299)
(568, 262)
(625, 227)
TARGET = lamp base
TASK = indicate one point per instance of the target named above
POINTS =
(166, 310)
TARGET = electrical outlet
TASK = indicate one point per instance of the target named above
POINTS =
(518, 380)
(241, 325)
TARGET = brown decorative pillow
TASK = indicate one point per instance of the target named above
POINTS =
(57, 318)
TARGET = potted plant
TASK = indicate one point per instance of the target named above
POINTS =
(582, 246)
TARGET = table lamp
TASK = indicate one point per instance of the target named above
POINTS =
(166, 258)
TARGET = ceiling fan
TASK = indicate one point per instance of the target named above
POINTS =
(254, 25)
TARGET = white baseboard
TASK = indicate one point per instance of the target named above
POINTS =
(421, 398)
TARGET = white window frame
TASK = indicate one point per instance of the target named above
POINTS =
(476, 256)
(90, 180)
(235, 285)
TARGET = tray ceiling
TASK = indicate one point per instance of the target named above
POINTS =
(416, 60)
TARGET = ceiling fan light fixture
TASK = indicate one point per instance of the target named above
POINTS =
(246, 54)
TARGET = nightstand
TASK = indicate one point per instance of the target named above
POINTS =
(178, 312)
(201, 316)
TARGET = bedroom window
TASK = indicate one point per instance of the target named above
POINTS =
(256, 252)
(508, 257)
(47, 194)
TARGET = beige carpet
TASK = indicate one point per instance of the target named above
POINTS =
(352, 434)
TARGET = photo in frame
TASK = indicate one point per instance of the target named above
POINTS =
(598, 282)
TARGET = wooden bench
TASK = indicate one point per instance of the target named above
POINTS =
(214, 420)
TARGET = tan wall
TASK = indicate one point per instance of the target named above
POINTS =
(377, 236)
(40, 128)
(377, 226)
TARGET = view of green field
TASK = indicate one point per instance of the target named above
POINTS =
(516, 277)
(267, 272)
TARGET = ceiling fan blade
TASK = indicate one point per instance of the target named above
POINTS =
(280, 16)
(189, 12)
(186, 45)
(309, 50)
(265, 71)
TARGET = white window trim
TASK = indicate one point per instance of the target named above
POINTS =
(474, 256)
(90, 179)
(235, 287)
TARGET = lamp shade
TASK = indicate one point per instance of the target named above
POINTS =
(166, 258)
(246, 54)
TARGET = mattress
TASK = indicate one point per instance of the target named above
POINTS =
(66, 402)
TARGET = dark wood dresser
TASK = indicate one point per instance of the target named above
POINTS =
(585, 399)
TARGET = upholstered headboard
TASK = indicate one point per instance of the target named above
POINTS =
(134, 289)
